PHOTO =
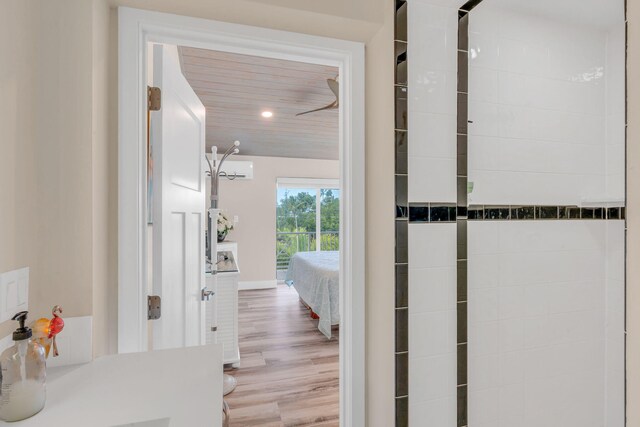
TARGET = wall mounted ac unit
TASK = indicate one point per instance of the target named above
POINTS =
(240, 169)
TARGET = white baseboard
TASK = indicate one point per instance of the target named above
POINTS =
(257, 284)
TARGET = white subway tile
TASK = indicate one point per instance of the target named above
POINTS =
(510, 335)
(432, 135)
(511, 367)
(483, 407)
(433, 91)
(432, 334)
(483, 372)
(437, 412)
(432, 245)
(482, 271)
(483, 84)
(432, 179)
(511, 399)
(432, 289)
(432, 378)
(483, 338)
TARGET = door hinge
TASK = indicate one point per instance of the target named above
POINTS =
(154, 304)
(154, 98)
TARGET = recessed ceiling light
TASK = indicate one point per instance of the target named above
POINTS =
(267, 114)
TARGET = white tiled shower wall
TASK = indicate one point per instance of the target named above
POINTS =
(433, 78)
(432, 109)
(546, 98)
(545, 343)
(615, 113)
(546, 299)
(432, 325)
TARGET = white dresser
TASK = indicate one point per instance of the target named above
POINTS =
(222, 314)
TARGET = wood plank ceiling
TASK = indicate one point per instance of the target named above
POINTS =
(236, 89)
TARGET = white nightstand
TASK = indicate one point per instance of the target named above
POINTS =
(224, 312)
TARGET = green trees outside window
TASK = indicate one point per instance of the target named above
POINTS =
(301, 216)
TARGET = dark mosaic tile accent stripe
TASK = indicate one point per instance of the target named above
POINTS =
(402, 374)
(615, 213)
(495, 212)
(461, 280)
(462, 364)
(401, 152)
(402, 286)
(464, 212)
(462, 406)
(401, 63)
(401, 22)
(402, 412)
(463, 31)
(401, 108)
(432, 212)
(621, 211)
(470, 5)
(402, 330)
(463, 109)
(401, 242)
(402, 215)
(461, 238)
(519, 212)
(462, 322)
(402, 209)
(463, 71)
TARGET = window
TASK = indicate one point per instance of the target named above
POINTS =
(307, 218)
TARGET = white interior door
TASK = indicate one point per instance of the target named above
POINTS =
(179, 220)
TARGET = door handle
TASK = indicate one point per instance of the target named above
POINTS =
(206, 294)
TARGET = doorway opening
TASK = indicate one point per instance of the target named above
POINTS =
(188, 33)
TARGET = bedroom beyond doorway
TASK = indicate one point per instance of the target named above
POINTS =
(347, 60)
(272, 144)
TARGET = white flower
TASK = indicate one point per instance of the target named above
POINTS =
(224, 223)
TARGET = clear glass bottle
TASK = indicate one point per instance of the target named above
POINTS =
(23, 375)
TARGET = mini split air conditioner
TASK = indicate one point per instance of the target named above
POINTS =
(240, 169)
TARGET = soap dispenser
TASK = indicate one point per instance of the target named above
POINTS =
(23, 375)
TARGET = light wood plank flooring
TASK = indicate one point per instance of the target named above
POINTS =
(288, 374)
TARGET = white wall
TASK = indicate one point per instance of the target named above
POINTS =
(546, 104)
(539, 300)
(615, 325)
(432, 77)
(432, 112)
(254, 202)
(432, 325)
(615, 113)
(545, 298)
(633, 215)
(46, 148)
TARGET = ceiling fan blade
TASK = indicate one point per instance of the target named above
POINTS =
(331, 106)
(334, 86)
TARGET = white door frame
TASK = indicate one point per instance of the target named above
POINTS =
(136, 28)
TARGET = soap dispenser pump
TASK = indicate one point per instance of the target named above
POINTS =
(23, 375)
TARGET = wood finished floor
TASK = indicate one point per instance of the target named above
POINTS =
(288, 374)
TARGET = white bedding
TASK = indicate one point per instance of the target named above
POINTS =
(315, 277)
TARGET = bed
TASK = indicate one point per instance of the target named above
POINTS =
(314, 275)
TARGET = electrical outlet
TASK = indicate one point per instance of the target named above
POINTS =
(236, 219)
(14, 293)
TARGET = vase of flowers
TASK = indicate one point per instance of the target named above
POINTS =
(224, 226)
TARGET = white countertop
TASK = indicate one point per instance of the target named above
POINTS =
(184, 385)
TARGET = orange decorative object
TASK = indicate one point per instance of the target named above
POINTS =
(55, 327)
(40, 330)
